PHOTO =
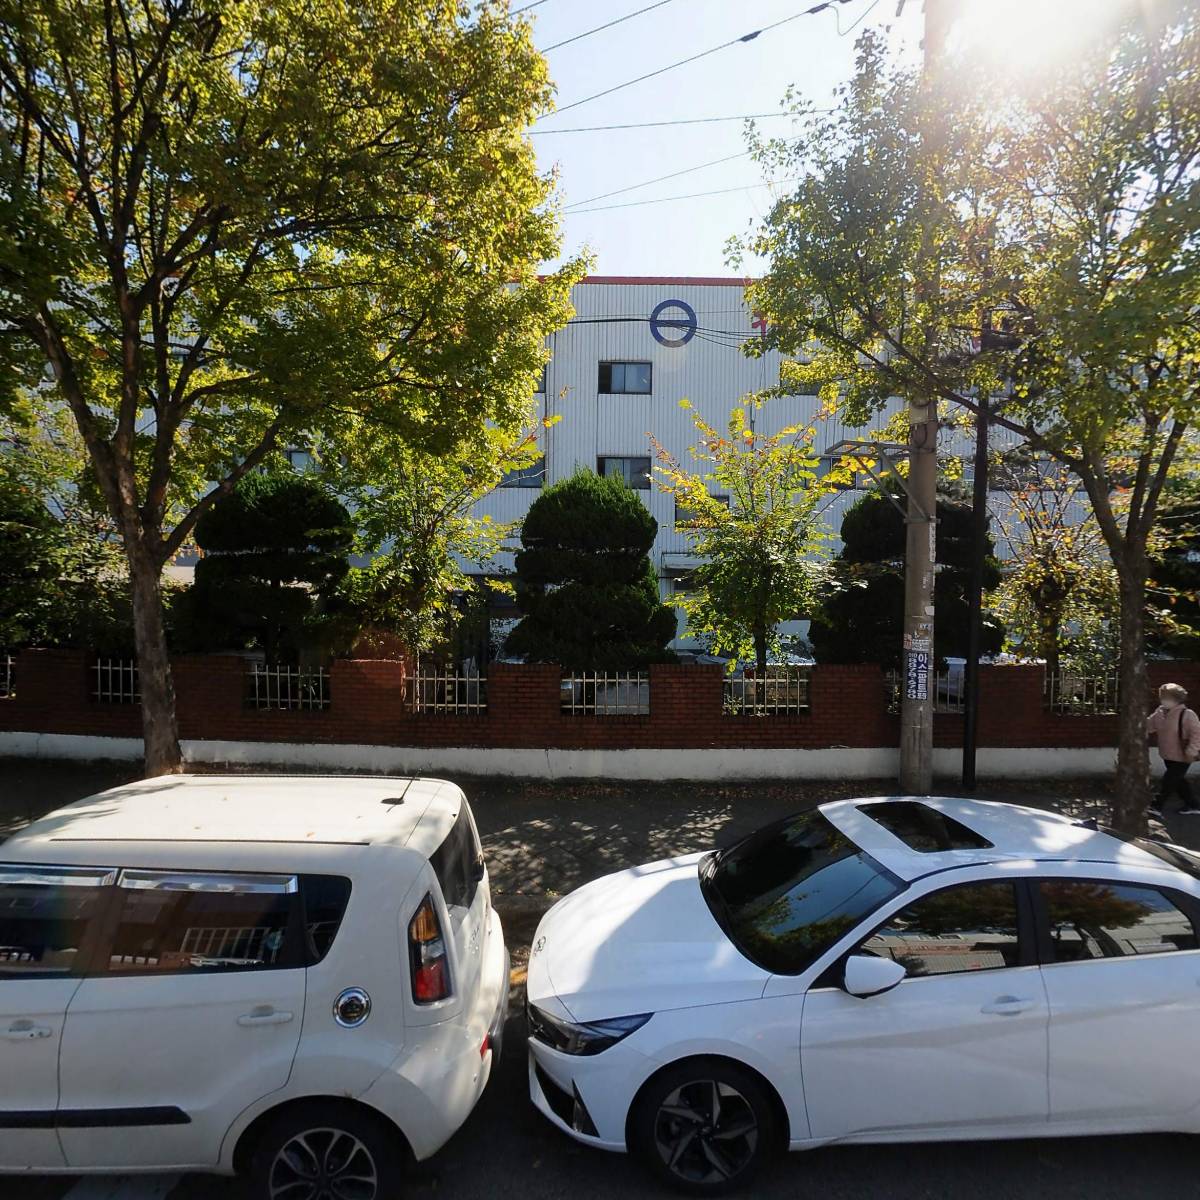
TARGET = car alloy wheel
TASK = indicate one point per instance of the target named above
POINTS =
(706, 1132)
(323, 1164)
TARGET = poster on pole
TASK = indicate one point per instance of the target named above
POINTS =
(916, 675)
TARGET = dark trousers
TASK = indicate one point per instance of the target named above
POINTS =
(1175, 783)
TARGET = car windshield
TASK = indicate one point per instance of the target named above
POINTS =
(787, 893)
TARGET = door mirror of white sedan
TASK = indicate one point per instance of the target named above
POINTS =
(868, 976)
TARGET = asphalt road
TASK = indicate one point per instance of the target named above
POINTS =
(544, 840)
(507, 1150)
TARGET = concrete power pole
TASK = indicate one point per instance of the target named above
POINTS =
(920, 562)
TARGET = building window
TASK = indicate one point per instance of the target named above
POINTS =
(298, 459)
(685, 517)
(635, 471)
(620, 378)
(532, 476)
(541, 383)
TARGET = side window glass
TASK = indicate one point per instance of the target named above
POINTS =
(172, 925)
(1110, 920)
(972, 927)
(325, 900)
(43, 924)
(455, 863)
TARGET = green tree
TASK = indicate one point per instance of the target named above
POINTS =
(413, 513)
(275, 548)
(1058, 595)
(752, 516)
(584, 580)
(861, 616)
(62, 577)
(1069, 211)
(226, 226)
(1175, 574)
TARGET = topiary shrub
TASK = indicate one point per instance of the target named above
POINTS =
(584, 582)
(275, 549)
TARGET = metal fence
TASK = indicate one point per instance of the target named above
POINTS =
(606, 694)
(433, 689)
(778, 693)
(7, 675)
(292, 688)
(115, 681)
(949, 690)
(1071, 694)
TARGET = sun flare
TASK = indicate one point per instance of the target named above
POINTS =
(1031, 33)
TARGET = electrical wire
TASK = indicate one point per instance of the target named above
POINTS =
(517, 11)
(685, 196)
(660, 124)
(862, 16)
(747, 37)
(599, 28)
(659, 179)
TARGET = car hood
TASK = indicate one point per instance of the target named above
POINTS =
(642, 940)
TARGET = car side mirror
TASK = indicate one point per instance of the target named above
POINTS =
(867, 975)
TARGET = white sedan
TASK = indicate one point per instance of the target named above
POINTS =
(875, 970)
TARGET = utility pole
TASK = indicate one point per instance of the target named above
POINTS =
(920, 562)
(979, 532)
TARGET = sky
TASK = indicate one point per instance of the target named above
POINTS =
(812, 53)
(683, 236)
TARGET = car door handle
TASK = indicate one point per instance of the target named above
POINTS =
(1007, 1006)
(26, 1031)
(265, 1016)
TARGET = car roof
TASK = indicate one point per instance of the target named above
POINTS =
(175, 820)
(1015, 834)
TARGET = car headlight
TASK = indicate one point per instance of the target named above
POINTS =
(591, 1037)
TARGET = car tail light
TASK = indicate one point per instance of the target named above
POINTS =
(427, 954)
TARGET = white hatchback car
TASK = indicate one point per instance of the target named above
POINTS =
(300, 978)
(876, 970)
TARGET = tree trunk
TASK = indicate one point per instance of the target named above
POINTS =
(1133, 774)
(160, 731)
(760, 652)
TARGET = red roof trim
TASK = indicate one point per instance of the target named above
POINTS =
(694, 280)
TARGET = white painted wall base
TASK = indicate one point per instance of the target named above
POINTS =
(732, 765)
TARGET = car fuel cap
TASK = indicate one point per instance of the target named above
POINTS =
(352, 1008)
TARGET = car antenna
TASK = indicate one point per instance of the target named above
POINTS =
(393, 800)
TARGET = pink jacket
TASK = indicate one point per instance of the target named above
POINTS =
(1169, 724)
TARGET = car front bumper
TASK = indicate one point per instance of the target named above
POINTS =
(588, 1096)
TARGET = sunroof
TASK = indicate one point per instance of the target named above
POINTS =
(922, 828)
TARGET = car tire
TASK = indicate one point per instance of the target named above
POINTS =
(327, 1151)
(704, 1126)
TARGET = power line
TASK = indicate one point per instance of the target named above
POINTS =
(599, 28)
(862, 16)
(660, 124)
(517, 11)
(659, 179)
(748, 37)
(685, 196)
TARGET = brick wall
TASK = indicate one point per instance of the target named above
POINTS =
(848, 708)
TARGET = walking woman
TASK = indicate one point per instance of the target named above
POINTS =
(1178, 731)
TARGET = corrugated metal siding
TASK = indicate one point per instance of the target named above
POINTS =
(612, 324)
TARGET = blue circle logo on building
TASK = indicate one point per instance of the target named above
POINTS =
(675, 317)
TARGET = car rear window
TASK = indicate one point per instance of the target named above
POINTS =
(456, 862)
(922, 828)
(325, 900)
(787, 893)
(1182, 859)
